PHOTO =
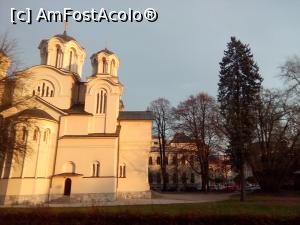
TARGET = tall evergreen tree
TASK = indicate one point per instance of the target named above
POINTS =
(239, 88)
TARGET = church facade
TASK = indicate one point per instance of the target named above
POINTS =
(81, 145)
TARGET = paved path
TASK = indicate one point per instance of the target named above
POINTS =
(157, 199)
(161, 198)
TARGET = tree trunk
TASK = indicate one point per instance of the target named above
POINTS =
(242, 181)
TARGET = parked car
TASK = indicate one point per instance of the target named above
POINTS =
(230, 188)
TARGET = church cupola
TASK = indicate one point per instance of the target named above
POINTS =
(63, 52)
(105, 62)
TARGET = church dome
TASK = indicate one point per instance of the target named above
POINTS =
(105, 62)
(65, 37)
(63, 52)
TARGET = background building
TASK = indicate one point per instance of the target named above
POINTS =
(182, 166)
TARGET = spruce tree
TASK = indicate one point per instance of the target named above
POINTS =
(239, 88)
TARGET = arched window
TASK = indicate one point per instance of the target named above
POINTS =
(95, 66)
(44, 89)
(59, 57)
(46, 135)
(36, 134)
(150, 160)
(104, 64)
(123, 170)
(73, 61)
(101, 102)
(70, 60)
(112, 67)
(69, 167)
(24, 134)
(96, 169)
(44, 55)
(158, 160)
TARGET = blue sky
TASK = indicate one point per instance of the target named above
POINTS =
(177, 55)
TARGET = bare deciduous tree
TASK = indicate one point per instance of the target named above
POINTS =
(161, 109)
(276, 145)
(198, 118)
(290, 72)
(12, 86)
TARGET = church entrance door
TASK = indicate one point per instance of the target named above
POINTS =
(68, 184)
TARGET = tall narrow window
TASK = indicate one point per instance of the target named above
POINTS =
(101, 103)
(35, 134)
(95, 66)
(24, 134)
(122, 170)
(158, 160)
(104, 63)
(70, 60)
(96, 169)
(59, 57)
(112, 67)
(44, 89)
(46, 135)
(150, 160)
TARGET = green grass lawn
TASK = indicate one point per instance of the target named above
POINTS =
(279, 205)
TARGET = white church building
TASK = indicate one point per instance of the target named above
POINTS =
(81, 144)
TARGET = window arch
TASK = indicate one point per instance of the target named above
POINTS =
(46, 135)
(96, 169)
(69, 167)
(36, 134)
(101, 101)
(104, 65)
(112, 67)
(123, 170)
(59, 57)
(44, 89)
